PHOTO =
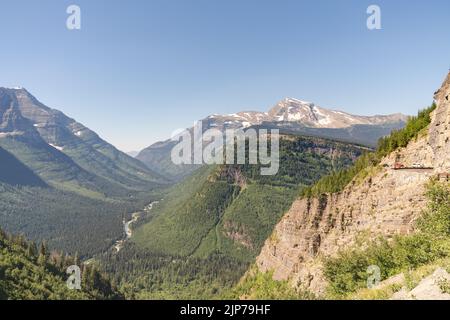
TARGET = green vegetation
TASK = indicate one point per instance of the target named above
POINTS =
(257, 285)
(408, 279)
(13, 172)
(146, 275)
(45, 194)
(217, 200)
(157, 157)
(400, 138)
(338, 180)
(248, 221)
(30, 273)
(444, 285)
(347, 272)
(115, 169)
(174, 233)
(68, 221)
(220, 217)
(57, 169)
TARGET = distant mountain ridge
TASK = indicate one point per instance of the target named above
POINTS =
(61, 182)
(133, 153)
(63, 151)
(291, 116)
(301, 112)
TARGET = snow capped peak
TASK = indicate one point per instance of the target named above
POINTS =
(13, 88)
(297, 101)
(311, 115)
(295, 112)
(291, 109)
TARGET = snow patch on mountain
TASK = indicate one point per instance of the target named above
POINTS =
(299, 112)
(56, 147)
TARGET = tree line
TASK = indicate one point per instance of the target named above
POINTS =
(33, 271)
(338, 180)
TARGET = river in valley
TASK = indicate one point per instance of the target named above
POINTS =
(128, 232)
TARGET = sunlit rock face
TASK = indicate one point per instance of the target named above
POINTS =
(439, 130)
(385, 203)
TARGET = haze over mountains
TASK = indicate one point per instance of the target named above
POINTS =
(64, 152)
(61, 182)
(290, 116)
(46, 156)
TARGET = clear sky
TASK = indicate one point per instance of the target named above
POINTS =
(138, 70)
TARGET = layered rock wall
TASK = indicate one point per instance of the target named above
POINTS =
(385, 203)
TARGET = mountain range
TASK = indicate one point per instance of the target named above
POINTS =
(290, 116)
(63, 152)
(218, 218)
(389, 212)
(60, 181)
(300, 113)
(47, 155)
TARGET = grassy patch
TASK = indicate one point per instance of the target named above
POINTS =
(261, 286)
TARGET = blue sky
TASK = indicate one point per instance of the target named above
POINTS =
(138, 70)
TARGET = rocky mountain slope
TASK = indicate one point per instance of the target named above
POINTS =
(61, 182)
(290, 116)
(14, 172)
(430, 288)
(384, 203)
(63, 152)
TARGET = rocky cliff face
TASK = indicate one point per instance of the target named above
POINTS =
(385, 203)
(439, 130)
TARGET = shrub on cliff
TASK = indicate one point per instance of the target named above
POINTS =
(347, 272)
(336, 181)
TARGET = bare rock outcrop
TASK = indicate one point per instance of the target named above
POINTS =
(433, 287)
(439, 130)
(385, 203)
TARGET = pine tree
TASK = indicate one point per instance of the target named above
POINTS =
(62, 260)
(76, 259)
(42, 259)
(31, 249)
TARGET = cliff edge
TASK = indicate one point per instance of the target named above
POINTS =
(385, 203)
